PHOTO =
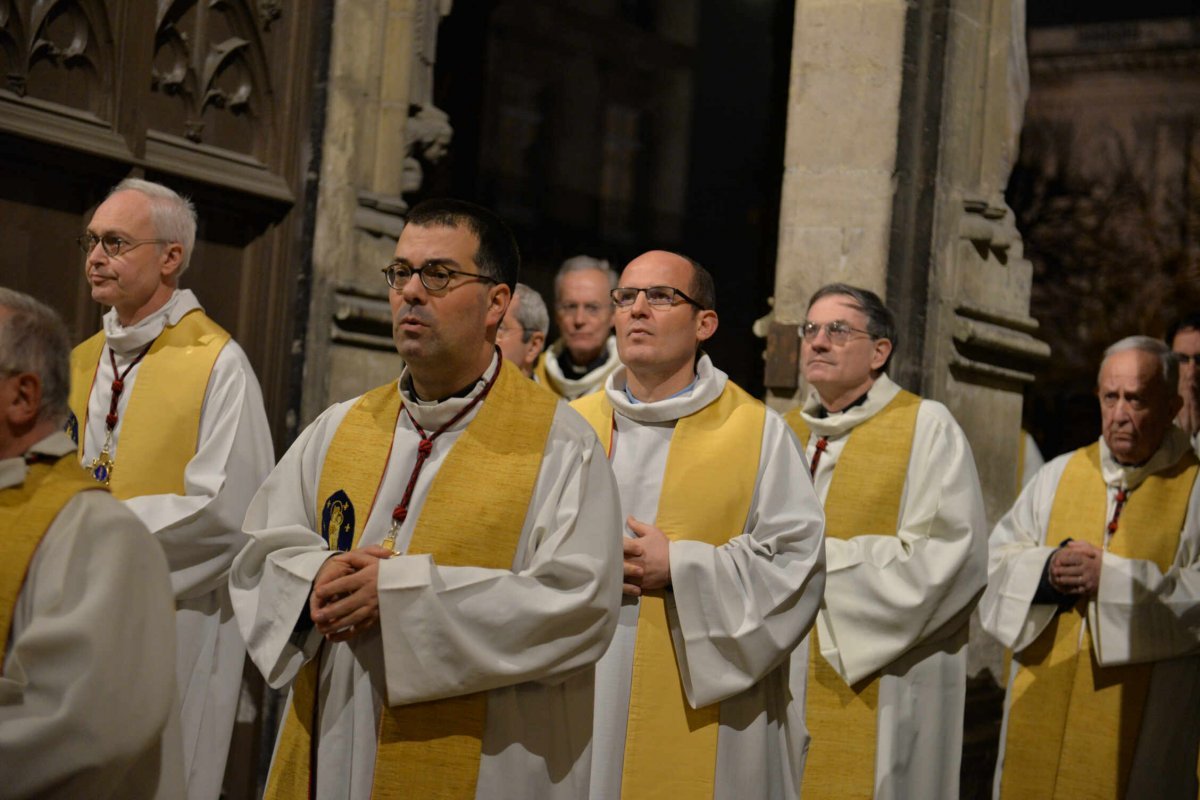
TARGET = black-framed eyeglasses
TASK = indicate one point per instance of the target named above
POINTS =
(661, 296)
(112, 244)
(838, 331)
(434, 275)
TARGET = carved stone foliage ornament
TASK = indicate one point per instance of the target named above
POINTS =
(209, 56)
(42, 39)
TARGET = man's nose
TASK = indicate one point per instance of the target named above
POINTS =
(412, 290)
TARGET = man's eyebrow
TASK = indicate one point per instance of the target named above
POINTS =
(429, 262)
(110, 232)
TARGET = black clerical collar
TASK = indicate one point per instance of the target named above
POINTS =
(571, 370)
(464, 392)
(823, 412)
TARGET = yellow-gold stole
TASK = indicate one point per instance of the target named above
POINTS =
(160, 428)
(864, 498)
(712, 468)
(26, 512)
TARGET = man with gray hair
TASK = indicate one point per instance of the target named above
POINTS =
(1094, 583)
(86, 621)
(906, 547)
(586, 352)
(522, 333)
(167, 412)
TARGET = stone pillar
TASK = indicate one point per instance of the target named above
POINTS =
(839, 164)
(381, 127)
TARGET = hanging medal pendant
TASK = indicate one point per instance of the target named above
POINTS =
(102, 467)
(389, 541)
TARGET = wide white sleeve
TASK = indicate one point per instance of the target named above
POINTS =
(88, 680)
(742, 607)
(1017, 560)
(454, 630)
(1141, 613)
(888, 592)
(270, 580)
(201, 530)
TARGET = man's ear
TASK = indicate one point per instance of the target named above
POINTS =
(171, 261)
(22, 399)
(499, 297)
(706, 324)
(883, 349)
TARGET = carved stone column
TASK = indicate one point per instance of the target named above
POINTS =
(381, 127)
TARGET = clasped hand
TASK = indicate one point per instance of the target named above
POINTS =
(647, 559)
(344, 601)
(1075, 568)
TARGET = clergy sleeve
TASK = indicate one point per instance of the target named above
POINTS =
(739, 609)
(1016, 561)
(88, 682)
(201, 531)
(1143, 614)
(453, 630)
(270, 580)
(889, 592)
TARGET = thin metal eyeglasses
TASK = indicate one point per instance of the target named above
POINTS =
(838, 331)
(434, 275)
(661, 296)
(112, 244)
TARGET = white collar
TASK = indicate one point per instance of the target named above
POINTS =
(1174, 446)
(432, 414)
(128, 339)
(710, 382)
(13, 470)
(881, 392)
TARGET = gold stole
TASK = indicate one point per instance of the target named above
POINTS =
(26, 512)
(863, 498)
(161, 424)
(1073, 725)
(429, 749)
(712, 468)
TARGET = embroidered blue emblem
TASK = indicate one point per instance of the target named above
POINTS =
(337, 521)
(71, 428)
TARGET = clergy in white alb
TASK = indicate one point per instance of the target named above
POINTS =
(585, 353)
(87, 689)
(167, 411)
(1094, 583)
(906, 558)
(448, 650)
(723, 560)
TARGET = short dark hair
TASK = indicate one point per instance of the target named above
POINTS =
(1191, 321)
(881, 323)
(498, 256)
(701, 289)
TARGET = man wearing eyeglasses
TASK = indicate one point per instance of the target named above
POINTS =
(167, 412)
(522, 333)
(1183, 337)
(907, 555)
(1094, 584)
(723, 559)
(435, 565)
(585, 353)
